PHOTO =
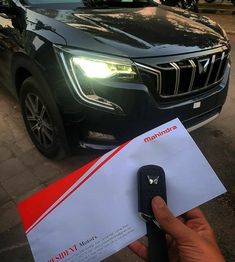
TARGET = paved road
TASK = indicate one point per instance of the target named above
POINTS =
(24, 171)
(218, 7)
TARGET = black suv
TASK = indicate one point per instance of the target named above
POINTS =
(97, 73)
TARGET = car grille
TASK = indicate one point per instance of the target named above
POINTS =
(186, 76)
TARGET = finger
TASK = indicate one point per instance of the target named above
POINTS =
(181, 218)
(139, 249)
(169, 240)
(194, 213)
(197, 215)
(168, 222)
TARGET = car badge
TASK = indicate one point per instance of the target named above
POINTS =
(203, 65)
(153, 181)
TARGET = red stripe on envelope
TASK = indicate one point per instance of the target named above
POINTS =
(35, 206)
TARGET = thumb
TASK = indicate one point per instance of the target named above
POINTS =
(169, 223)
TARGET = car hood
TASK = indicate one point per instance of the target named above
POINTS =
(139, 32)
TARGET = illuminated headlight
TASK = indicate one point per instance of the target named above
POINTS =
(92, 75)
(103, 69)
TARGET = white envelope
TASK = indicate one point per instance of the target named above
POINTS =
(92, 213)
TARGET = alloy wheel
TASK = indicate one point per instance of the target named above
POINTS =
(39, 120)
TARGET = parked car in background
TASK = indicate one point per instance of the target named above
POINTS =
(191, 5)
(97, 73)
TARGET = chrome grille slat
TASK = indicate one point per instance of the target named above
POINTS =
(211, 67)
(154, 71)
(177, 77)
(194, 67)
(182, 77)
(167, 66)
(221, 62)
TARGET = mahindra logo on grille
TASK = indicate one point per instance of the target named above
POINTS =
(203, 65)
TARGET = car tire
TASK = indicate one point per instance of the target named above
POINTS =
(42, 119)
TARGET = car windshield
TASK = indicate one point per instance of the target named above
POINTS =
(94, 3)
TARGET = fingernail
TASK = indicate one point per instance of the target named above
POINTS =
(158, 202)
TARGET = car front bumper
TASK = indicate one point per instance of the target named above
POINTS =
(103, 130)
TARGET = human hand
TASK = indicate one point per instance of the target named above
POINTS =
(190, 238)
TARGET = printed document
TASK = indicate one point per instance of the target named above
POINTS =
(93, 212)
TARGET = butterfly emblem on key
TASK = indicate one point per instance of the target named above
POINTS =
(153, 181)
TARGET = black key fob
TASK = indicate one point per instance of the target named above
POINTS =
(151, 183)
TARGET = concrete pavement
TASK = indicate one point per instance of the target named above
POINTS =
(218, 7)
(227, 21)
(24, 171)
